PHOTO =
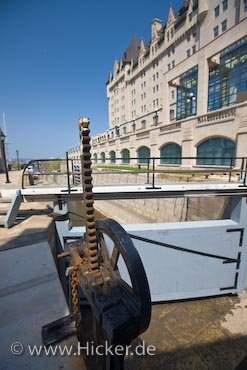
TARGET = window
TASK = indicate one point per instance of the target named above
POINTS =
(95, 158)
(124, 130)
(193, 49)
(125, 154)
(224, 25)
(143, 124)
(143, 154)
(188, 53)
(225, 4)
(190, 16)
(187, 94)
(173, 94)
(172, 114)
(169, 66)
(245, 5)
(216, 31)
(170, 154)
(228, 81)
(173, 63)
(102, 157)
(215, 151)
(112, 156)
(217, 11)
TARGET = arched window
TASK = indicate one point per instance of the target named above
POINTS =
(125, 154)
(143, 154)
(170, 154)
(95, 158)
(216, 151)
(102, 157)
(112, 155)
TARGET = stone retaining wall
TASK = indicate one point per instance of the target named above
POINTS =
(163, 210)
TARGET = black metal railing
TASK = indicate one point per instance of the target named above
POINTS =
(69, 170)
(177, 165)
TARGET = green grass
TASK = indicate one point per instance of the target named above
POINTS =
(144, 169)
(123, 168)
(165, 172)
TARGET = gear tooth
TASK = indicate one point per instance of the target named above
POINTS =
(88, 197)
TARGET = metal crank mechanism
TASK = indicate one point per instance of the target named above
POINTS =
(107, 310)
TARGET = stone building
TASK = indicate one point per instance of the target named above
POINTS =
(184, 92)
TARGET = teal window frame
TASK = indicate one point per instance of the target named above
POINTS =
(143, 154)
(112, 156)
(170, 154)
(102, 157)
(228, 80)
(125, 154)
(216, 151)
(187, 94)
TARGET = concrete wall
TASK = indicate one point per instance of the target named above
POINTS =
(159, 210)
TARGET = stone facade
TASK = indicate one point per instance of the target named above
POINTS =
(164, 96)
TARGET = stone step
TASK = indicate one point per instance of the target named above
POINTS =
(5, 200)
(2, 219)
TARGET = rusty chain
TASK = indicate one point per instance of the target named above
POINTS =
(74, 296)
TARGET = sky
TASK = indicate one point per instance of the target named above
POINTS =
(55, 58)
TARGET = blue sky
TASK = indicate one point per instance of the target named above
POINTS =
(54, 62)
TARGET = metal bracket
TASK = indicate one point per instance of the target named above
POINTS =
(58, 330)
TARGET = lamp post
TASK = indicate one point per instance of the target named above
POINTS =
(2, 139)
(117, 130)
(155, 118)
(18, 161)
(191, 98)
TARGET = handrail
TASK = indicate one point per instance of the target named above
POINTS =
(149, 166)
(29, 163)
